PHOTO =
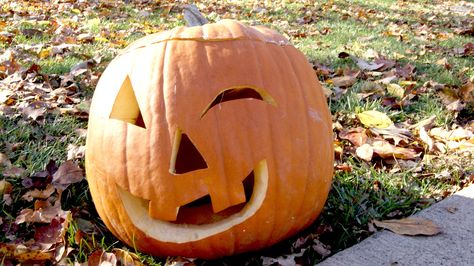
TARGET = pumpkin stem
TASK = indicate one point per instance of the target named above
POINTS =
(193, 17)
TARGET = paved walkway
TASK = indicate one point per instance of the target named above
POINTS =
(454, 246)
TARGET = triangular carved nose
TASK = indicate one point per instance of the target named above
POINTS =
(126, 107)
(185, 157)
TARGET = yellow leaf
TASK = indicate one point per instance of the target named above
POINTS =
(44, 53)
(395, 90)
(101, 39)
(375, 119)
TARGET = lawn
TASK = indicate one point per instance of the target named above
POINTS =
(408, 64)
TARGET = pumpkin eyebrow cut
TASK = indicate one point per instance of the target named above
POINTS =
(236, 93)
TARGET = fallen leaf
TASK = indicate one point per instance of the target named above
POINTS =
(34, 113)
(344, 167)
(363, 65)
(179, 261)
(75, 152)
(54, 232)
(67, 173)
(344, 81)
(444, 62)
(320, 248)
(82, 67)
(4, 161)
(14, 171)
(439, 133)
(452, 209)
(365, 152)
(386, 150)
(396, 90)
(356, 136)
(43, 212)
(285, 260)
(5, 187)
(426, 123)
(375, 119)
(23, 253)
(126, 258)
(466, 91)
(39, 194)
(48, 244)
(410, 226)
(426, 138)
(455, 106)
(459, 134)
(7, 199)
(81, 132)
(393, 132)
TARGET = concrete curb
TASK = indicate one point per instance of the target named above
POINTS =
(454, 246)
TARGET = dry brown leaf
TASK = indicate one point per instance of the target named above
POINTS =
(14, 171)
(386, 150)
(48, 243)
(370, 66)
(5, 187)
(393, 132)
(39, 194)
(44, 212)
(410, 226)
(365, 152)
(426, 138)
(23, 253)
(102, 258)
(344, 81)
(459, 134)
(4, 161)
(81, 132)
(67, 173)
(285, 260)
(439, 133)
(455, 106)
(126, 258)
(465, 92)
(34, 113)
(179, 261)
(54, 232)
(344, 167)
(356, 136)
(426, 123)
(75, 152)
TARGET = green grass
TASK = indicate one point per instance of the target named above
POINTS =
(370, 191)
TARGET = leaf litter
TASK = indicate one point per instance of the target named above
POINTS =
(411, 226)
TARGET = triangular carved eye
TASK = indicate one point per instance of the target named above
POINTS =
(185, 157)
(126, 107)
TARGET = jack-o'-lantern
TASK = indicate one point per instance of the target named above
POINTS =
(209, 141)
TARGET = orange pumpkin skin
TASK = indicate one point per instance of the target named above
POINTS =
(285, 138)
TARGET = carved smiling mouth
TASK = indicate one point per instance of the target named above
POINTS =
(196, 220)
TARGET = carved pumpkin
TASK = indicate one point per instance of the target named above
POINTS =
(209, 141)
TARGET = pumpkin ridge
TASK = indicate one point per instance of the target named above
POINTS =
(269, 228)
(287, 97)
(308, 151)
